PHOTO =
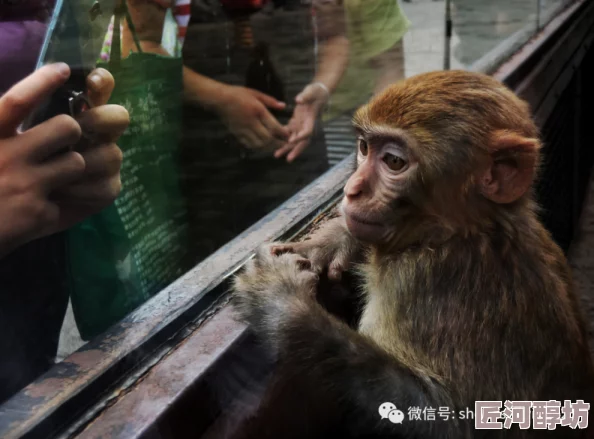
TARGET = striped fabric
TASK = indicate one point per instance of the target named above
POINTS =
(181, 11)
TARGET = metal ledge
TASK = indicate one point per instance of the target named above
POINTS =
(58, 398)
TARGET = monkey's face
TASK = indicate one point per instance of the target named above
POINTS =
(442, 149)
(385, 164)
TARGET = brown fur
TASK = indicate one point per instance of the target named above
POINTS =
(466, 298)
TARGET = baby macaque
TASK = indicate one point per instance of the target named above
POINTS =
(466, 296)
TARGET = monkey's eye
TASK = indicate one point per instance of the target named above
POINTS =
(394, 162)
(363, 147)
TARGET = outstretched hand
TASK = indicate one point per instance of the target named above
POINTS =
(309, 104)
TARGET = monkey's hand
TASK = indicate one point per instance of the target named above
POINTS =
(272, 288)
(332, 247)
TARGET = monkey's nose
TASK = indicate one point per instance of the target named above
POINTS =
(352, 193)
(354, 188)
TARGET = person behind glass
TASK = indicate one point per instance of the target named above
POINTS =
(361, 54)
(229, 173)
(232, 184)
(244, 111)
(44, 191)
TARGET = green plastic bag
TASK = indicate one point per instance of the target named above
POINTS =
(121, 257)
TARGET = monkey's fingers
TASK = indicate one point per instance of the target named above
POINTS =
(296, 260)
(298, 248)
(335, 271)
(281, 249)
(300, 274)
(339, 264)
(264, 256)
(304, 264)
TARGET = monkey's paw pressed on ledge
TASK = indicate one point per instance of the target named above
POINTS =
(330, 248)
(271, 288)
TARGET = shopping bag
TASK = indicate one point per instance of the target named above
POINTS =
(122, 256)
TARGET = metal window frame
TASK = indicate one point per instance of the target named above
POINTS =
(170, 345)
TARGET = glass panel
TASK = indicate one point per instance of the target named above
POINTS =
(487, 26)
(480, 26)
(235, 105)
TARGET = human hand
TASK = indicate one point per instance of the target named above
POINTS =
(100, 183)
(245, 112)
(309, 104)
(33, 165)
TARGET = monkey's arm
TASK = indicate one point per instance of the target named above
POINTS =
(331, 247)
(350, 369)
(332, 362)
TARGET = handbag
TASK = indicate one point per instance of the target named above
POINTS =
(124, 255)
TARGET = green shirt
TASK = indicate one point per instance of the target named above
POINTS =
(373, 27)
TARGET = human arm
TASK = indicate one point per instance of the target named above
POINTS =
(382, 25)
(333, 61)
(389, 66)
(244, 111)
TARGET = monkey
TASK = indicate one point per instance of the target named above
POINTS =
(466, 297)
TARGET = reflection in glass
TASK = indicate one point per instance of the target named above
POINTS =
(230, 175)
(481, 26)
(375, 58)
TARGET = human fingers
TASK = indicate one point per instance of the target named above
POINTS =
(100, 85)
(61, 170)
(297, 150)
(18, 102)
(46, 139)
(105, 123)
(102, 160)
(274, 127)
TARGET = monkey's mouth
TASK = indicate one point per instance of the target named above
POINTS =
(364, 228)
(362, 220)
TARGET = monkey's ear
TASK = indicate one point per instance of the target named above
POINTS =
(511, 171)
